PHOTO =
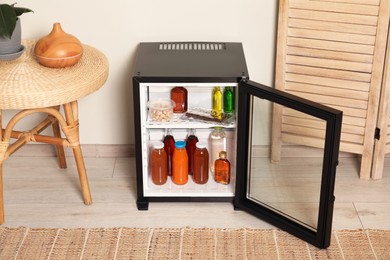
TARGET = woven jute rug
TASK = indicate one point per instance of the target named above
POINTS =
(185, 243)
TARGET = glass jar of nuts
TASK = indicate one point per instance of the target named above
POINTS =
(160, 110)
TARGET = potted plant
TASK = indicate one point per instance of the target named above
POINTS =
(10, 31)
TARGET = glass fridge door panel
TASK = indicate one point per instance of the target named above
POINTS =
(286, 161)
(291, 185)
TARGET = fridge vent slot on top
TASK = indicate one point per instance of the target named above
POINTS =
(203, 133)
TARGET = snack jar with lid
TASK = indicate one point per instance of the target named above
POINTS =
(160, 110)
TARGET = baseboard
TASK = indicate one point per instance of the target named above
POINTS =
(89, 150)
(128, 150)
(293, 151)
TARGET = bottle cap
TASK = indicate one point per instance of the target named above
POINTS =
(180, 144)
(222, 154)
(158, 145)
(201, 145)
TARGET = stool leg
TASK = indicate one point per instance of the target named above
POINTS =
(1, 195)
(59, 148)
(78, 156)
(72, 135)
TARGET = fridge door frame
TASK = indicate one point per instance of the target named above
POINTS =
(321, 237)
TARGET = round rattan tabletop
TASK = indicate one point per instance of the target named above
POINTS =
(25, 84)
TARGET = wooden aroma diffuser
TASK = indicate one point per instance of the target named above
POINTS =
(58, 49)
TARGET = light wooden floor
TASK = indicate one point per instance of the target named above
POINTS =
(39, 194)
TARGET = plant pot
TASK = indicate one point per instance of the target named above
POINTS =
(12, 48)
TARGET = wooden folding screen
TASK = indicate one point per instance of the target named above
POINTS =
(333, 52)
(382, 144)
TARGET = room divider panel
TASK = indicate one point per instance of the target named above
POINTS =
(334, 53)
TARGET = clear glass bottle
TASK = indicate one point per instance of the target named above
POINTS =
(217, 103)
(228, 100)
(201, 164)
(217, 144)
(222, 169)
(169, 147)
(180, 96)
(180, 164)
(190, 147)
(158, 163)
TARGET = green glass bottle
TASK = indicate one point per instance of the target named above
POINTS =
(217, 103)
(228, 100)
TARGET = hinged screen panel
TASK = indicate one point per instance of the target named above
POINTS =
(332, 52)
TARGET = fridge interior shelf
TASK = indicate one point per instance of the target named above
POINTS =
(180, 121)
(190, 189)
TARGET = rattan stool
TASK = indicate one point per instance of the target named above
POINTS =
(27, 86)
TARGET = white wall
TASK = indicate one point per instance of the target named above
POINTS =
(116, 27)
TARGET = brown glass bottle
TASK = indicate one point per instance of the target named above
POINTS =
(201, 164)
(169, 147)
(158, 163)
(222, 169)
(179, 96)
(190, 147)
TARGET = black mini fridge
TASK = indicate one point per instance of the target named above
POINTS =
(294, 192)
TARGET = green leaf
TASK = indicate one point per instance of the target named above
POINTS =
(7, 20)
(21, 10)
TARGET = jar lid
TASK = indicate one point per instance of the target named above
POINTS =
(158, 145)
(161, 104)
(180, 144)
(201, 145)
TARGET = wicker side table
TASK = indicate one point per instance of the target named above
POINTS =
(31, 88)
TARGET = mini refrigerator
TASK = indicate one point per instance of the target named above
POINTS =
(293, 190)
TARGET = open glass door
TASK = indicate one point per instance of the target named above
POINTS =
(283, 179)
